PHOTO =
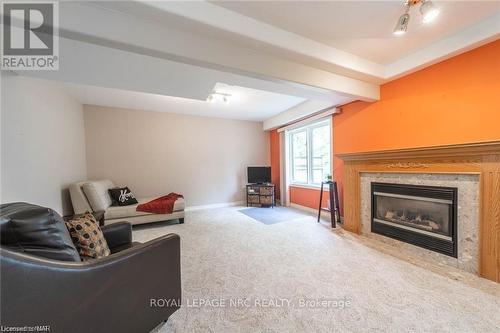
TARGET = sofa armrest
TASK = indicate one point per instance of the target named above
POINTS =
(78, 199)
(112, 294)
(117, 234)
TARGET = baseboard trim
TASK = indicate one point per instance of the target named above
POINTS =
(217, 205)
(324, 214)
(310, 210)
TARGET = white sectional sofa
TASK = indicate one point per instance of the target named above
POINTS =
(93, 196)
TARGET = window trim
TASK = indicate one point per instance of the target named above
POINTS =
(296, 131)
(309, 129)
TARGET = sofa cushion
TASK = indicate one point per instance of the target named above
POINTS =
(97, 194)
(37, 231)
(88, 237)
(118, 212)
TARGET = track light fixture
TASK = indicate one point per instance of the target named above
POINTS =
(427, 9)
(402, 24)
(218, 96)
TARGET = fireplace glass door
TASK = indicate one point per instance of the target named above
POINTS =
(425, 215)
(421, 215)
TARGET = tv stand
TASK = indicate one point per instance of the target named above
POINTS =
(260, 194)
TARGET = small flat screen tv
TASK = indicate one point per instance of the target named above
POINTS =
(259, 175)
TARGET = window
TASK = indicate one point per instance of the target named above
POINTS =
(299, 157)
(310, 153)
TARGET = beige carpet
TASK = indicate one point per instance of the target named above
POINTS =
(227, 257)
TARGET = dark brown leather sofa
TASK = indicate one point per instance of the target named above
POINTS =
(43, 283)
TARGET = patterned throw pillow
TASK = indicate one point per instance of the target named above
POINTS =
(88, 237)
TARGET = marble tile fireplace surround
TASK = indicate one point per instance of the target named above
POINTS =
(471, 172)
(467, 186)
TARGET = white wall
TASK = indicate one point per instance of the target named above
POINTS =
(42, 142)
(155, 153)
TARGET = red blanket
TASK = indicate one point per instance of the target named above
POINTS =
(161, 205)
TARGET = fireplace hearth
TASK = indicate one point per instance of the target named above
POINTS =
(425, 216)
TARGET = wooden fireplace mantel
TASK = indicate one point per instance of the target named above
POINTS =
(481, 158)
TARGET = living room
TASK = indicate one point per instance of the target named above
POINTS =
(250, 166)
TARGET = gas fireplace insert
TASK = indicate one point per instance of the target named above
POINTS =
(425, 216)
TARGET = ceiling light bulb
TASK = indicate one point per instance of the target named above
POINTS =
(429, 11)
(402, 24)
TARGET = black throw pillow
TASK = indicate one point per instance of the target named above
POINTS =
(122, 196)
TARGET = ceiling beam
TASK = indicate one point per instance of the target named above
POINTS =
(148, 37)
(96, 65)
(222, 18)
(327, 57)
(296, 113)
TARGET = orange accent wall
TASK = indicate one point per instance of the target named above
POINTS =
(454, 101)
(308, 197)
(274, 139)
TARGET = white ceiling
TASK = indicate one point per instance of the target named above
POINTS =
(244, 103)
(364, 28)
(168, 55)
(350, 38)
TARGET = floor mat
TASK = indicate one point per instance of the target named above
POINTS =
(272, 215)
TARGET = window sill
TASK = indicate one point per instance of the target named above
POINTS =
(311, 187)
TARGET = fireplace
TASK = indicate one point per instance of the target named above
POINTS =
(425, 216)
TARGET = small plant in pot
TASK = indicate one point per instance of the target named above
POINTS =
(328, 178)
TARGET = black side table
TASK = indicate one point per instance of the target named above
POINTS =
(334, 202)
(99, 216)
